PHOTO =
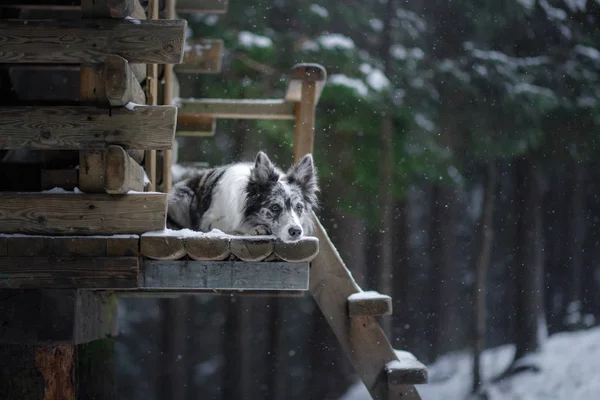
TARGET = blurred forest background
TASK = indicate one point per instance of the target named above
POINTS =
(456, 144)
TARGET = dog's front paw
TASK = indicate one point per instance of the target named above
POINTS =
(260, 230)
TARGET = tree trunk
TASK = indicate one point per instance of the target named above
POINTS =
(530, 317)
(576, 239)
(386, 177)
(485, 236)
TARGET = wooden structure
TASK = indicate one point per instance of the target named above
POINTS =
(87, 220)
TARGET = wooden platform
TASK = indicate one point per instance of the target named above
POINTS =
(117, 262)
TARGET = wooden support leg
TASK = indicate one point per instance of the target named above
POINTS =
(151, 99)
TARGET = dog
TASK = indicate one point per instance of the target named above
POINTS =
(247, 199)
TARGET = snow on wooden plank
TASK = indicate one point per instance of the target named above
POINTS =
(81, 213)
(201, 56)
(70, 272)
(92, 40)
(223, 275)
(405, 371)
(369, 303)
(87, 128)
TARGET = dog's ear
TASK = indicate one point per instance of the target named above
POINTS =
(304, 174)
(264, 170)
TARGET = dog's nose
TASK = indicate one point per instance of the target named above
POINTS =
(295, 232)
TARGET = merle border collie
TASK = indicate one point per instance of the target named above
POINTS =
(248, 199)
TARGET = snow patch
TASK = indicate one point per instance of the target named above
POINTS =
(368, 295)
(320, 11)
(377, 80)
(249, 39)
(353, 83)
(376, 24)
(576, 5)
(588, 52)
(134, 20)
(132, 106)
(58, 190)
(336, 41)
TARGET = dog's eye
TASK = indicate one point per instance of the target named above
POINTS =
(275, 208)
(299, 207)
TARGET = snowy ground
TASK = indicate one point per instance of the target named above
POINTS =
(570, 370)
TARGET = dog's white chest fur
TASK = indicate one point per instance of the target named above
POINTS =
(226, 212)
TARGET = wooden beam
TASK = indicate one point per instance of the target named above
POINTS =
(203, 6)
(236, 275)
(168, 95)
(251, 248)
(82, 214)
(238, 109)
(70, 272)
(304, 249)
(369, 304)
(53, 317)
(91, 40)
(78, 128)
(91, 171)
(120, 83)
(203, 56)
(69, 246)
(361, 338)
(207, 248)
(122, 173)
(406, 371)
(195, 125)
(162, 247)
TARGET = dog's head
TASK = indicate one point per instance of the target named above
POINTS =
(283, 202)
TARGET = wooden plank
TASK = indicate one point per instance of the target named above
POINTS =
(82, 127)
(305, 72)
(54, 317)
(69, 246)
(168, 95)
(123, 246)
(365, 304)
(252, 248)
(204, 6)
(70, 272)
(207, 248)
(61, 178)
(238, 109)
(406, 371)
(203, 56)
(91, 40)
(304, 249)
(121, 85)
(122, 173)
(195, 125)
(237, 275)
(305, 120)
(162, 247)
(82, 214)
(361, 338)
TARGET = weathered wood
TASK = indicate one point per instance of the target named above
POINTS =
(91, 40)
(361, 338)
(69, 246)
(91, 87)
(151, 98)
(70, 272)
(305, 72)
(251, 248)
(122, 173)
(206, 248)
(168, 95)
(162, 247)
(121, 84)
(203, 56)
(62, 178)
(195, 125)
(82, 214)
(77, 128)
(54, 317)
(238, 109)
(237, 275)
(302, 250)
(91, 171)
(305, 120)
(204, 6)
(376, 304)
(113, 9)
(407, 371)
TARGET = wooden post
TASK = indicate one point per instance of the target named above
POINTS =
(168, 99)
(151, 93)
